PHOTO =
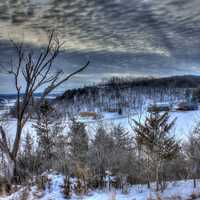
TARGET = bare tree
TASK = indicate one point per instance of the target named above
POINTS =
(37, 73)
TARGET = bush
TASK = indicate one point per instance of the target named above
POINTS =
(24, 195)
(5, 187)
(41, 182)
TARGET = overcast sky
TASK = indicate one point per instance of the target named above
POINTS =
(119, 37)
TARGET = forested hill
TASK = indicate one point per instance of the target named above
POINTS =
(187, 81)
(128, 94)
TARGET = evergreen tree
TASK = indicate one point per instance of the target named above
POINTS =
(154, 136)
(79, 142)
(101, 153)
(26, 159)
(121, 147)
(48, 127)
(121, 159)
(79, 146)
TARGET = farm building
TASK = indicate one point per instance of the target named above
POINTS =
(159, 107)
(186, 106)
(93, 115)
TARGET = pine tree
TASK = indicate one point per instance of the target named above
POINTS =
(121, 137)
(26, 159)
(154, 136)
(79, 142)
(79, 146)
(122, 148)
(101, 153)
(48, 127)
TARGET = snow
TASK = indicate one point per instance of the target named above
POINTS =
(181, 189)
(54, 193)
(11, 125)
(185, 122)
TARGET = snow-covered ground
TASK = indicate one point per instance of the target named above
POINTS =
(185, 122)
(181, 190)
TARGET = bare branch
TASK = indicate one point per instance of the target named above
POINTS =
(54, 85)
(36, 73)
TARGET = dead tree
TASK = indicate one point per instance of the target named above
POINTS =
(36, 71)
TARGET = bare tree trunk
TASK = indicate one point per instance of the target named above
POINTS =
(124, 185)
(148, 184)
(8, 168)
(194, 173)
(157, 175)
(157, 179)
(148, 173)
(163, 180)
(194, 182)
(17, 139)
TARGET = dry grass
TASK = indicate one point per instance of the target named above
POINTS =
(66, 187)
(25, 193)
(5, 187)
(194, 195)
(41, 182)
(158, 197)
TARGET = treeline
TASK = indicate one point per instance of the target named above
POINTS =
(187, 81)
(128, 94)
(112, 157)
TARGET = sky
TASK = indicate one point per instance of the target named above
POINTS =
(119, 37)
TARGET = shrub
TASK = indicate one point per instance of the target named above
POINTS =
(67, 188)
(41, 182)
(5, 186)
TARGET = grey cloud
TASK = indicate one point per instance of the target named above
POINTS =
(147, 37)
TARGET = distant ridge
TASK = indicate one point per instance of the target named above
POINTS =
(184, 81)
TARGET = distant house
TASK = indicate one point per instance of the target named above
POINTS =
(93, 115)
(159, 107)
(186, 106)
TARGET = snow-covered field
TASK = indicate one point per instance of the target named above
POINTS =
(181, 190)
(185, 122)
